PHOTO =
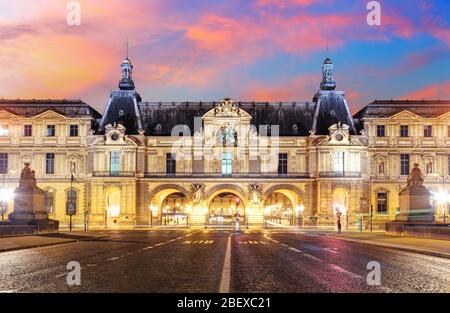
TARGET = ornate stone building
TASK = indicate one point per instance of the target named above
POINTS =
(207, 163)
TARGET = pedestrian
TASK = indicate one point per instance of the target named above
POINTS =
(338, 215)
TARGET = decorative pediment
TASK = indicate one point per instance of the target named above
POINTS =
(50, 115)
(445, 116)
(115, 135)
(6, 115)
(405, 115)
(339, 134)
(226, 109)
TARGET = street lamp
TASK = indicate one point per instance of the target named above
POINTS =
(442, 197)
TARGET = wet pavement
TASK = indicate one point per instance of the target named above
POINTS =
(197, 261)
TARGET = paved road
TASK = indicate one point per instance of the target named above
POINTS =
(215, 260)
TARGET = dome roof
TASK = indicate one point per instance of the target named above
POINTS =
(327, 61)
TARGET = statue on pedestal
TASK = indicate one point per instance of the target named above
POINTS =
(415, 199)
(415, 178)
(29, 200)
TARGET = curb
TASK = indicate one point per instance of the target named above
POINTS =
(394, 246)
(48, 244)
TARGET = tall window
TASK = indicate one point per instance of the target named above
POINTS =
(28, 130)
(448, 131)
(171, 164)
(71, 201)
(404, 164)
(227, 164)
(404, 131)
(338, 162)
(428, 131)
(50, 201)
(381, 130)
(448, 164)
(3, 163)
(50, 163)
(382, 203)
(114, 164)
(51, 131)
(4, 130)
(73, 130)
(282, 163)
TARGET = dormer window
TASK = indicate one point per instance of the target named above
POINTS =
(158, 128)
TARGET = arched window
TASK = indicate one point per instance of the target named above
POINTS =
(72, 201)
(50, 201)
(382, 202)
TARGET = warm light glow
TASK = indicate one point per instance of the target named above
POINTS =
(114, 210)
(6, 194)
(300, 208)
(4, 131)
(441, 197)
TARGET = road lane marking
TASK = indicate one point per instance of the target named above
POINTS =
(113, 259)
(91, 265)
(60, 275)
(146, 248)
(226, 271)
(344, 271)
(332, 250)
(294, 249)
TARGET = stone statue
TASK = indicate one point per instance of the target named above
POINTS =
(255, 192)
(27, 178)
(415, 178)
(197, 190)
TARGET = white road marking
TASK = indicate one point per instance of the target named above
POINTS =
(226, 271)
(146, 248)
(113, 259)
(91, 265)
(60, 275)
(9, 291)
(294, 249)
(332, 250)
(341, 270)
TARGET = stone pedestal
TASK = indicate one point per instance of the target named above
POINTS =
(415, 205)
(29, 204)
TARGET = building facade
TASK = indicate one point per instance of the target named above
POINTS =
(144, 164)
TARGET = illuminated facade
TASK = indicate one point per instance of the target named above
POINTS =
(210, 163)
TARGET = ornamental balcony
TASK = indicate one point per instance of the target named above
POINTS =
(113, 174)
(340, 174)
(233, 175)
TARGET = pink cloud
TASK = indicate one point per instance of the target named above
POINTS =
(434, 91)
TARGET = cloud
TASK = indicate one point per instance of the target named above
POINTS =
(434, 91)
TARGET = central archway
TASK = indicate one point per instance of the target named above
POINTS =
(225, 206)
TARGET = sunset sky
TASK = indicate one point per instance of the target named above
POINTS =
(262, 50)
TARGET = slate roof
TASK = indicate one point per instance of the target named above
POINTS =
(387, 108)
(293, 118)
(33, 107)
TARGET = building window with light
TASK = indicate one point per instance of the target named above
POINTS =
(381, 130)
(428, 131)
(73, 130)
(4, 130)
(51, 130)
(50, 201)
(282, 164)
(227, 164)
(404, 131)
(114, 164)
(3, 163)
(448, 131)
(338, 162)
(382, 203)
(28, 130)
(404, 164)
(171, 164)
(50, 163)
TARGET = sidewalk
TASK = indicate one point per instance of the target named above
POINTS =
(435, 247)
(27, 242)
